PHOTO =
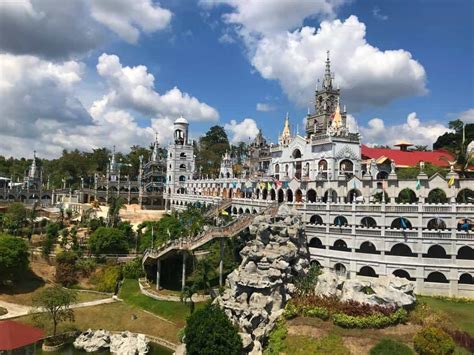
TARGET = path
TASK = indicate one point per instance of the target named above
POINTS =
(18, 310)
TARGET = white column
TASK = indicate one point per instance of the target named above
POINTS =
(158, 272)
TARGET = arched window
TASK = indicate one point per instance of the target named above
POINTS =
(406, 196)
(437, 196)
(315, 264)
(298, 196)
(272, 194)
(436, 223)
(367, 271)
(296, 154)
(264, 194)
(401, 249)
(340, 269)
(331, 195)
(311, 195)
(436, 276)
(277, 171)
(436, 251)
(368, 248)
(182, 155)
(401, 223)
(466, 279)
(346, 167)
(382, 175)
(234, 210)
(182, 178)
(316, 243)
(368, 222)
(340, 245)
(340, 221)
(247, 211)
(316, 219)
(289, 195)
(322, 165)
(403, 274)
(465, 196)
(257, 193)
(241, 210)
(465, 253)
(353, 194)
(281, 195)
(182, 167)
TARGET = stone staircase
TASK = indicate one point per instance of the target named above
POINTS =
(228, 231)
(222, 205)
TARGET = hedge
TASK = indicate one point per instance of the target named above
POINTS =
(371, 321)
(433, 341)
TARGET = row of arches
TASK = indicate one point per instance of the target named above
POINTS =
(288, 195)
(23, 197)
(399, 249)
(435, 276)
(369, 222)
(300, 169)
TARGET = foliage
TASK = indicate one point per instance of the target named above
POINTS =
(463, 339)
(453, 141)
(209, 331)
(96, 223)
(133, 269)
(105, 279)
(108, 241)
(276, 339)
(377, 320)
(56, 301)
(412, 172)
(116, 203)
(15, 218)
(390, 347)
(293, 309)
(13, 258)
(52, 233)
(186, 296)
(210, 149)
(305, 284)
(433, 341)
(66, 270)
(85, 267)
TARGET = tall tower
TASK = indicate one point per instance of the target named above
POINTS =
(226, 171)
(326, 103)
(285, 137)
(180, 161)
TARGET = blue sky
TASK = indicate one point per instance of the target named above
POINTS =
(405, 68)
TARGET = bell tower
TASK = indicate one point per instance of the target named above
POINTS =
(326, 103)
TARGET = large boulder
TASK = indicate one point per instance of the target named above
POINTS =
(92, 340)
(125, 343)
(259, 288)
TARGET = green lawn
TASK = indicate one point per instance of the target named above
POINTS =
(176, 312)
(461, 313)
(302, 345)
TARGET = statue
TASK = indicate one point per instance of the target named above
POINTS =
(392, 167)
(422, 166)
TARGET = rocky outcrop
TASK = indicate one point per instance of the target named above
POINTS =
(124, 343)
(384, 290)
(260, 287)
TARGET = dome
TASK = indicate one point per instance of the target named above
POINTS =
(181, 119)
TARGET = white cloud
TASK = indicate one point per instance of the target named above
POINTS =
(413, 130)
(378, 14)
(366, 75)
(226, 38)
(133, 88)
(270, 16)
(128, 17)
(242, 132)
(467, 116)
(265, 107)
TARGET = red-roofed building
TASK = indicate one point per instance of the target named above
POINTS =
(14, 336)
(407, 158)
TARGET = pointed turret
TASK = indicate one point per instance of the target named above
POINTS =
(285, 136)
(327, 83)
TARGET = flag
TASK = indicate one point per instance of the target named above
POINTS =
(224, 213)
(418, 184)
(269, 186)
(285, 184)
(234, 184)
(451, 181)
(403, 223)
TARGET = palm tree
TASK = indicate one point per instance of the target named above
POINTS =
(113, 215)
(186, 297)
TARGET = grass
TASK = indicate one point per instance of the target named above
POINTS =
(89, 296)
(113, 316)
(176, 312)
(302, 345)
(461, 313)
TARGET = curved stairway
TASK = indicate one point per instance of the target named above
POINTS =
(228, 231)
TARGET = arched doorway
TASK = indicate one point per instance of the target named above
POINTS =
(406, 196)
(297, 155)
(368, 222)
(465, 253)
(272, 194)
(311, 195)
(401, 223)
(466, 279)
(353, 194)
(298, 196)
(346, 167)
(340, 269)
(281, 196)
(436, 223)
(437, 196)
(289, 195)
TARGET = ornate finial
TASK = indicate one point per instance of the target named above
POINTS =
(327, 75)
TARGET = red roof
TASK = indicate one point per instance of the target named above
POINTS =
(408, 158)
(15, 335)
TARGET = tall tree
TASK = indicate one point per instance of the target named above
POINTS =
(116, 203)
(210, 149)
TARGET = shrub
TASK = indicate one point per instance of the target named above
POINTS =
(433, 341)
(13, 257)
(106, 278)
(390, 347)
(86, 267)
(463, 339)
(291, 310)
(318, 312)
(376, 320)
(133, 269)
(108, 241)
(209, 331)
(66, 272)
(276, 339)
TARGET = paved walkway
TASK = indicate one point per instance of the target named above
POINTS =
(18, 310)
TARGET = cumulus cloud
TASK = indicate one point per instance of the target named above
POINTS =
(413, 130)
(133, 88)
(265, 107)
(269, 16)
(243, 131)
(280, 49)
(467, 116)
(47, 28)
(50, 29)
(127, 17)
(366, 75)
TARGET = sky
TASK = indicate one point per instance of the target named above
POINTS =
(87, 74)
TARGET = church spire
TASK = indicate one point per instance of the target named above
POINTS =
(154, 155)
(327, 74)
